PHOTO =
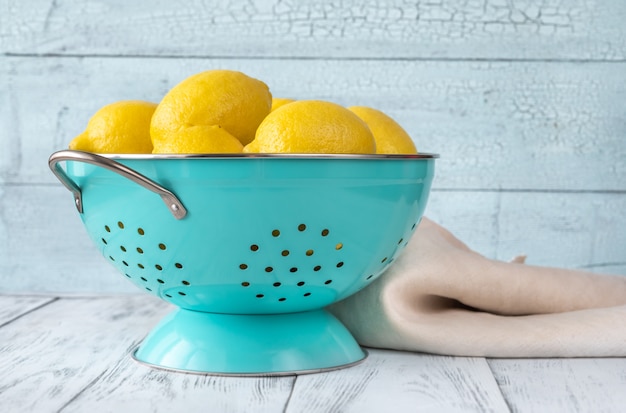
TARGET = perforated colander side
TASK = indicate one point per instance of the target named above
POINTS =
(150, 263)
(294, 261)
(289, 263)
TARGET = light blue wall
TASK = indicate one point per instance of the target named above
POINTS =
(525, 101)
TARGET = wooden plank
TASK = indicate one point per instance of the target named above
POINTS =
(267, 28)
(562, 385)
(9, 138)
(46, 249)
(50, 355)
(570, 230)
(73, 355)
(401, 382)
(12, 307)
(584, 231)
(470, 216)
(127, 386)
(497, 125)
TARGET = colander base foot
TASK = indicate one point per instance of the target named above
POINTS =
(228, 344)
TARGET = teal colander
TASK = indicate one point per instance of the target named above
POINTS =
(249, 248)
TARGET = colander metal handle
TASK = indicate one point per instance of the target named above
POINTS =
(173, 203)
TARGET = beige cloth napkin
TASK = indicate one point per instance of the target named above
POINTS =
(441, 297)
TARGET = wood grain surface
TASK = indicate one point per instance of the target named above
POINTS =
(73, 355)
(128, 386)
(582, 385)
(555, 127)
(13, 307)
(490, 29)
(401, 382)
(51, 356)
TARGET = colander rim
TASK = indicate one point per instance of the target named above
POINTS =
(270, 156)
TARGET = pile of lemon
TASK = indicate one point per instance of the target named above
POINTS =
(225, 111)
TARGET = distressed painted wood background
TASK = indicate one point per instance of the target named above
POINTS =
(525, 102)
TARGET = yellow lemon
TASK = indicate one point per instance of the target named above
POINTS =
(312, 126)
(229, 99)
(280, 102)
(199, 139)
(390, 137)
(120, 127)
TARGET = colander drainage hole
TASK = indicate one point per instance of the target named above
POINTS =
(144, 279)
(400, 242)
(178, 265)
(275, 233)
(301, 227)
(160, 281)
(383, 260)
(245, 284)
(181, 293)
(269, 269)
(260, 296)
(339, 246)
(139, 250)
(162, 247)
(104, 241)
(168, 296)
(369, 277)
(185, 282)
(284, 253)
(254, 247)
(158, 267)
(243, 266)
(301, 283)
(293, 269)
(328, 282)
(309, 253)
(306, 294)
(340, 264)
(317, 268)
(325, 232)
(123, 248)
(120, 224)
(107, 229)
(277, 284)
(140, 231)
(282, 299)
(141, 266)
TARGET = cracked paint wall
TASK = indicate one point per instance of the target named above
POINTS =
(525, 102)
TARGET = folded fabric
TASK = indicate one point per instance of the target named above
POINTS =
(441, 297)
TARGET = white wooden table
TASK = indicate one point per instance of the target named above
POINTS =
(72, 355)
